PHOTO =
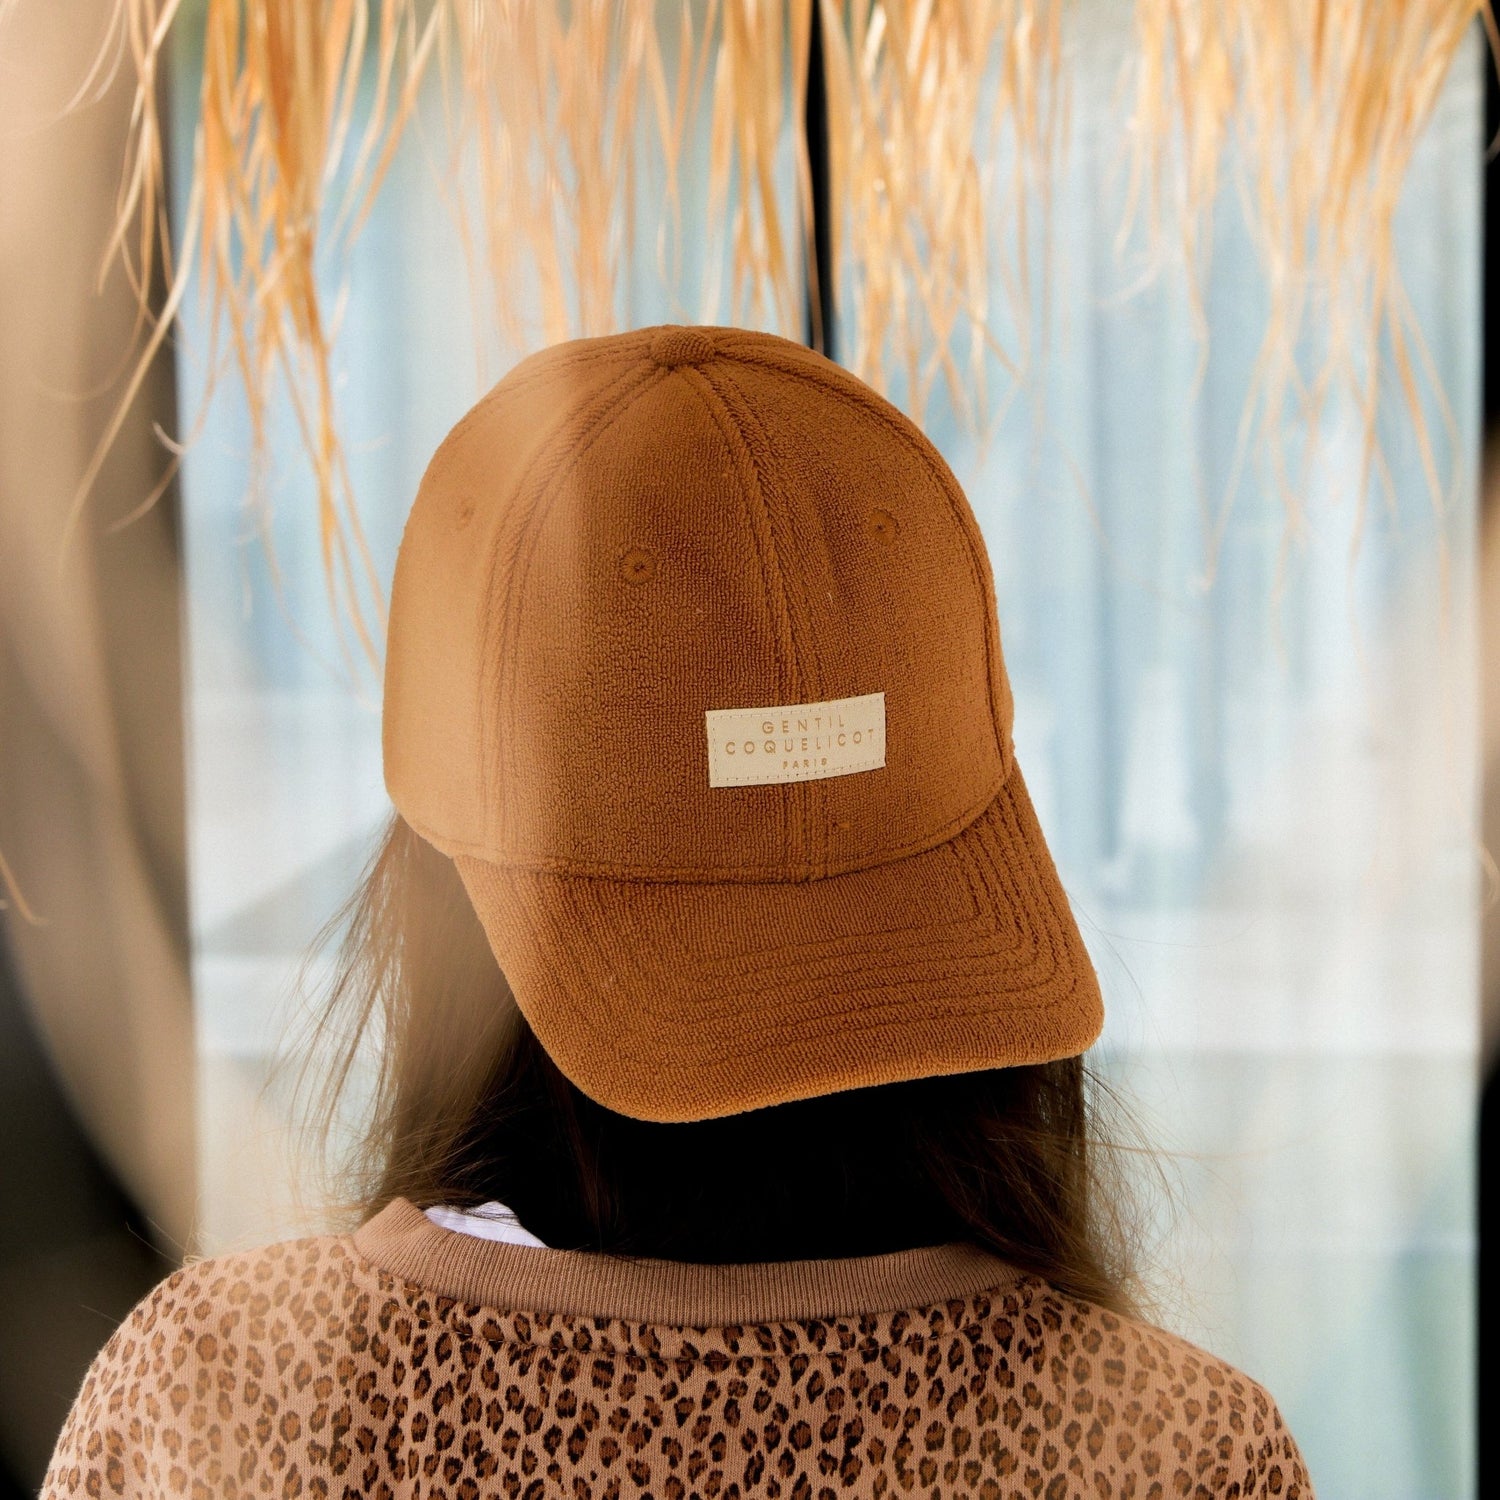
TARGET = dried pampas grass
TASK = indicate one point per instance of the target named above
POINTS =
(1319, 106)
(914, 178)
(1319, 102)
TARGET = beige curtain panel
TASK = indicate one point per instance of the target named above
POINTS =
(91, 763)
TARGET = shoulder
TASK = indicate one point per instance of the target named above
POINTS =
(1120, 1385)
(215, 1324)
(270, 1293)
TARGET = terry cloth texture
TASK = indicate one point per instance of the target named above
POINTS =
(409, 1360)
(694, 668)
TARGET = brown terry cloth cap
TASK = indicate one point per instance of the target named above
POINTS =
(694, 669)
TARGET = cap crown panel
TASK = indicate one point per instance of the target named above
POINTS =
(610, 546)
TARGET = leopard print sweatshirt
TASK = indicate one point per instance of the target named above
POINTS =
(409, 1360)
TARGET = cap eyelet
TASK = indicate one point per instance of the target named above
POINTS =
(882, 525)
(637, 565)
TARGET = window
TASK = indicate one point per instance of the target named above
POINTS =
(1260, 788)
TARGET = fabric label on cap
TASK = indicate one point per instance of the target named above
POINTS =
(795, 741)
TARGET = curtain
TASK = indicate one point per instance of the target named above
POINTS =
(91, 752)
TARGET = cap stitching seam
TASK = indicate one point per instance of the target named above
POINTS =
(544, 451)
(983, 854)
(710, 875)
(773, 576)
(608, 408)
(872, 1016)
(850, 398)
(743, 456)
(967, 869)
(861, 1015)
(714, 965)
(815, 798)
(917, 952)
(925, 937)
(893, 961)
(813, 688)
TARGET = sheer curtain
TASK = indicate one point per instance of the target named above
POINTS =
(1259, 785)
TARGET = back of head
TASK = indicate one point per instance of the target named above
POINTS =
(715, 922)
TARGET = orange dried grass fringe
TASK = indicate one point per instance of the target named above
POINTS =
(1321, 104)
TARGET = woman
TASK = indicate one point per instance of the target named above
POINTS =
(729, 1133)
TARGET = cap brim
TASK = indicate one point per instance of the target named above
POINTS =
(675, 1001)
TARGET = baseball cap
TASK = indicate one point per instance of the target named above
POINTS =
(693, 668)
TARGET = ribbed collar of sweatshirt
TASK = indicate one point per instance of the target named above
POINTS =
(403, 1240)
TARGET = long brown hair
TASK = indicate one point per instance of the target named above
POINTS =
(454, 1100)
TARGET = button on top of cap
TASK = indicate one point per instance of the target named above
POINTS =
(681, 346)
